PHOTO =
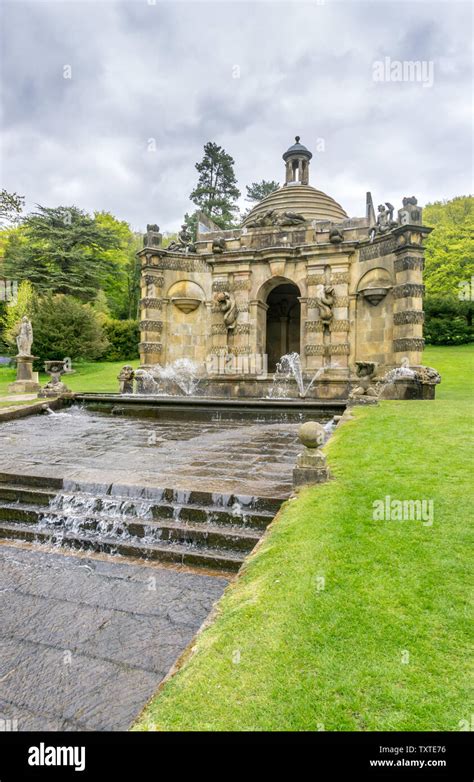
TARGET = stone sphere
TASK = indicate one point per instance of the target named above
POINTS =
(312, 434)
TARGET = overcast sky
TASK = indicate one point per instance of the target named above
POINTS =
(152, 82)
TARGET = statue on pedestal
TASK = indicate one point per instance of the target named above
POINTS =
(26, 380)
(24, 339)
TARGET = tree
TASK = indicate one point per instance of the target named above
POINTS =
(62, 250)
(121, 280)
(216, 190)
(11, 205)
(449, 256)
(191, 222)
(62, 326)
(258, 190)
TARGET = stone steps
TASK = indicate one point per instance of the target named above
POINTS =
(171, 552)
(205, 534)
(19, 497)
(194, 528)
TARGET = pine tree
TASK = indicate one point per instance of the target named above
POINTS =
(216, 190)
(259, 190)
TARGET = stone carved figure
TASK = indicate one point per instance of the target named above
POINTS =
(24, 339)
(384, 222)
(54, 387)
(365, 371)
(384, 217)
(125, 378)
(274, 218)
(152, 237)
(184, 243)
(228, 308)
(325, 304)
(218, 245)
(290, 218)
(336, 236)
(265, 220)
(410, 213)
(427, 375)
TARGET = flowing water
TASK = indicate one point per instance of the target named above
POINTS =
(180, 377)
(244, 457)
(289, 371)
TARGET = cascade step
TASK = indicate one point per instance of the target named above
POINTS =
(165, 496)
(31, 480)
(26, 495)
(166, 552)
(219, 536)
(197, 528)
(29, 501)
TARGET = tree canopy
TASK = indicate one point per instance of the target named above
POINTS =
(216, 191)
(11, 205)
(65, 250)
(449, 256)
(259, 190)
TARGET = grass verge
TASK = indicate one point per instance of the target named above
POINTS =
(340, 622)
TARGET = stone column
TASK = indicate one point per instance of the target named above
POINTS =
(312, 347)
(408, 316)
(242, 342)
(219, 346)
(339, 347)
(152, 309)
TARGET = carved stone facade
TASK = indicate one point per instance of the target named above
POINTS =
(299, 275)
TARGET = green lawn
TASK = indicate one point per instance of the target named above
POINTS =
(90, 376)
(340, 622)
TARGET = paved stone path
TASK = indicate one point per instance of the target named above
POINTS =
(85, 641)
(216, 456)
(19, 398)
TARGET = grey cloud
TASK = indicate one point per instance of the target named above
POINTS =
(164, 72)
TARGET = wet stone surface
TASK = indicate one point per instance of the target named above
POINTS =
(85, 641)
(254, 459)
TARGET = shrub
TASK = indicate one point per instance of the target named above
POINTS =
(62, 326)
(448, 320)
(123, 337)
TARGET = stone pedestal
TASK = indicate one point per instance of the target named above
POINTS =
(26, 380)
(311, 462)
(54, 387)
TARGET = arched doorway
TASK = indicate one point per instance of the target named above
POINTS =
(283, 322)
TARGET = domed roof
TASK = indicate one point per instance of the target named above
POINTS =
(297, 149)
(303, 199)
